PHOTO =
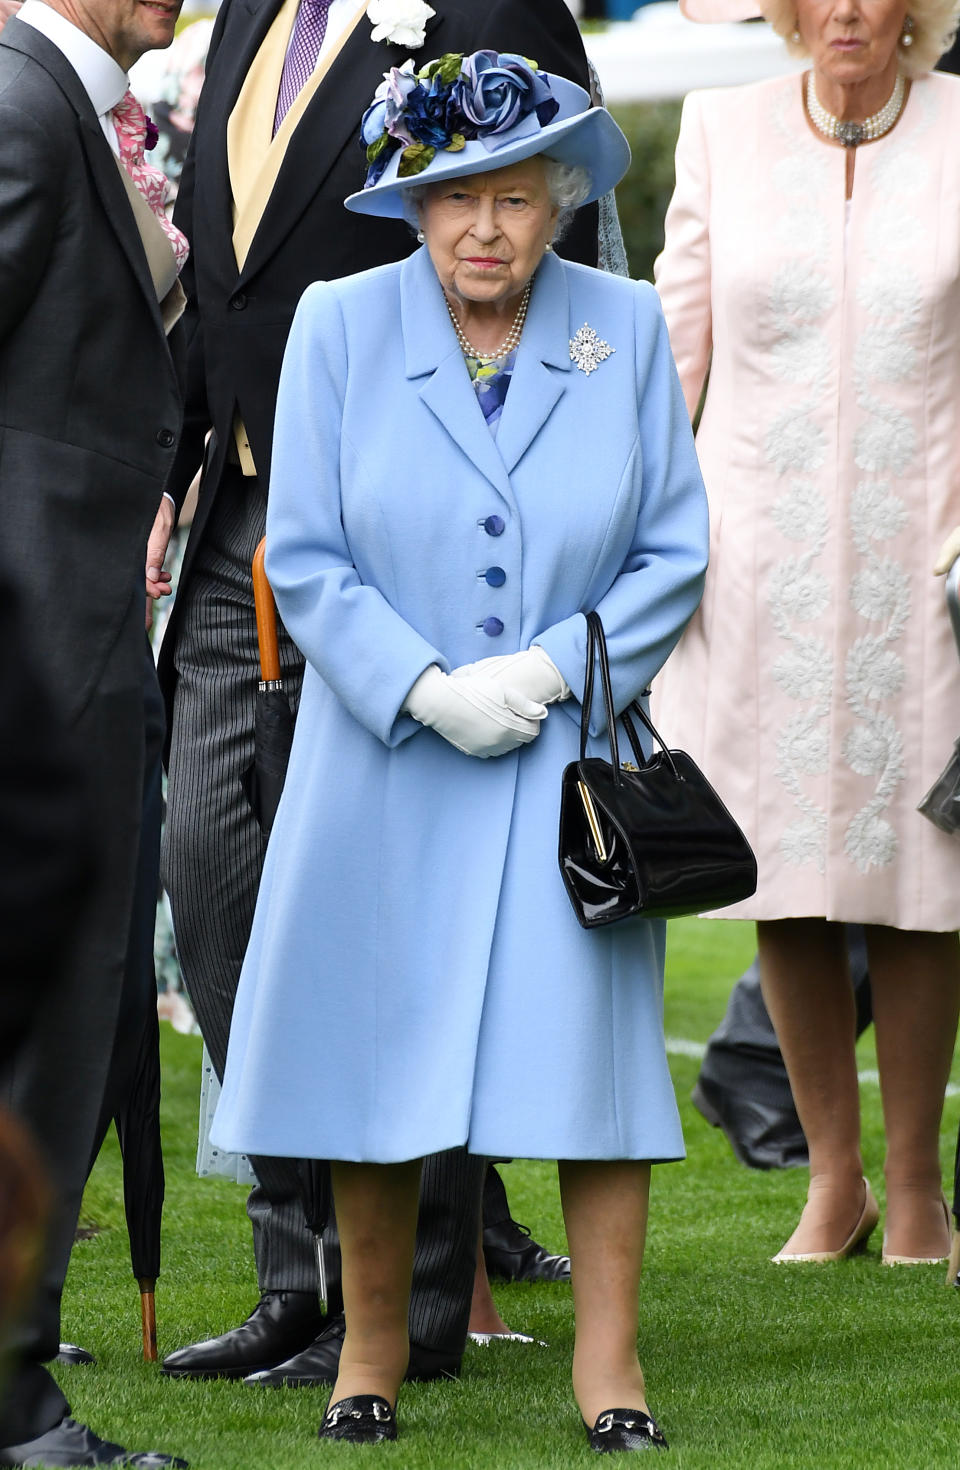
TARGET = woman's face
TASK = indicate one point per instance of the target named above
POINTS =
(486, 233)
(852, 41)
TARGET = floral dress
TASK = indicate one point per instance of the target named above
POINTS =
(491, 380)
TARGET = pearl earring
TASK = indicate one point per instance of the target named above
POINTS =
(795, 36)
(421, 237)
(549, 245)
(906, 38)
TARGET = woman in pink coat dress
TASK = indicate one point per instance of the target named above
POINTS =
(812, 272)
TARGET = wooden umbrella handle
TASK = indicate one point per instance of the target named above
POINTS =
(148, 1313)
(266, 618)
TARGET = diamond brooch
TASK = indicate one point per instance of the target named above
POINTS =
(588, 350)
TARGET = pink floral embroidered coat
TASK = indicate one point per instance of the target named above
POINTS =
(819, 682)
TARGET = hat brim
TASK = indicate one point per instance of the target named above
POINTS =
(591, 140)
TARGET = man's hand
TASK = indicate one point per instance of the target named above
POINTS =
(7, 9)
(158, 580)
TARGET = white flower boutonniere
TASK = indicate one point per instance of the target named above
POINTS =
(400, 22)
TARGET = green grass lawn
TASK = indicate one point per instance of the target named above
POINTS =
(747, 1364)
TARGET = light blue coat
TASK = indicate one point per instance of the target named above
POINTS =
(416, 978)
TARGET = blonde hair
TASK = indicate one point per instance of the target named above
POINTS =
(934, 27)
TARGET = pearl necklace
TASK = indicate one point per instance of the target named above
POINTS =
(509, 342)
(851, 134)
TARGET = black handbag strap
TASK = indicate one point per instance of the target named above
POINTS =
(597, 651)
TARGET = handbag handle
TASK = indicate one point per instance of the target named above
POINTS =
(597, 651)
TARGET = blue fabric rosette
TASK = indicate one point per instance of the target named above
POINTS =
(502, 95)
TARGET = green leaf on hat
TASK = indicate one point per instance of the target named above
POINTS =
(415, 159)
(456, 144)
(375, 149)
(447, 67)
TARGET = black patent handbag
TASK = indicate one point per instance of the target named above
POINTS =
(651, 840)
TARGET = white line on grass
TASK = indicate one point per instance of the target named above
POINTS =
(679, 1046)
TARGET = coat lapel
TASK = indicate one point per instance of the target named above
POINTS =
(109, 184)
(432, 353)
(103, 165)
(543, 361)
(214, 199)
(330, 124)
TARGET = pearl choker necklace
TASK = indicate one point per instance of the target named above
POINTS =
(509, 342)
(852, 134)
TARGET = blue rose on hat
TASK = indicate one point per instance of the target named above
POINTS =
(432, 114)
(496, 92)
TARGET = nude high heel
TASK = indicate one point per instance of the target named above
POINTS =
(889, 1260)
(855, 1241)
(953, 1265)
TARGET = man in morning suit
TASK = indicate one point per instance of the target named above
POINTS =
(90, 415)
(275, 152)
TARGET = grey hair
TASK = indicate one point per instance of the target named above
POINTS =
(934, 27)
(568, 185)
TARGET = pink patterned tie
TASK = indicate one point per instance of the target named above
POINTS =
(131, 124)
(308, 33)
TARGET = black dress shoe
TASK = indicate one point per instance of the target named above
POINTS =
(70, 1443)
(511, 1255)
(365, 1419)
(73, 1355)
(319, 1363)
(762, 1136)
(624, 1429)
(280, 1325)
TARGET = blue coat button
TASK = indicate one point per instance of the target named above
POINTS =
(494, 576)
(494, 525)
(492, 627)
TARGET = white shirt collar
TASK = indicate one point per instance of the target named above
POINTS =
(102, 78)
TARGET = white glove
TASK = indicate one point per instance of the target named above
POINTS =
(532, 673)
(476, 715)
(948, 554)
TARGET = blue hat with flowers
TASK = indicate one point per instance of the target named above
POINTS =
(463, 115)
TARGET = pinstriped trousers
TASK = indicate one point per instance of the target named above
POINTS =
(212, 858)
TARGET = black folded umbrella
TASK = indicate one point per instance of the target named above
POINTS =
(132, 1093)
(272, 736)
(316, 1193)
(273, 718)
(138, 1131)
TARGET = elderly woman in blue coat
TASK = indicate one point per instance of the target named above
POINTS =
(473, 448)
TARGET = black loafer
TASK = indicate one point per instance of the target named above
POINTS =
(318, 1364)
(365, 1419)
(281, 1324)
(74, 1356)
(511, 1255)
(624, 1429)
(70, 1443)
